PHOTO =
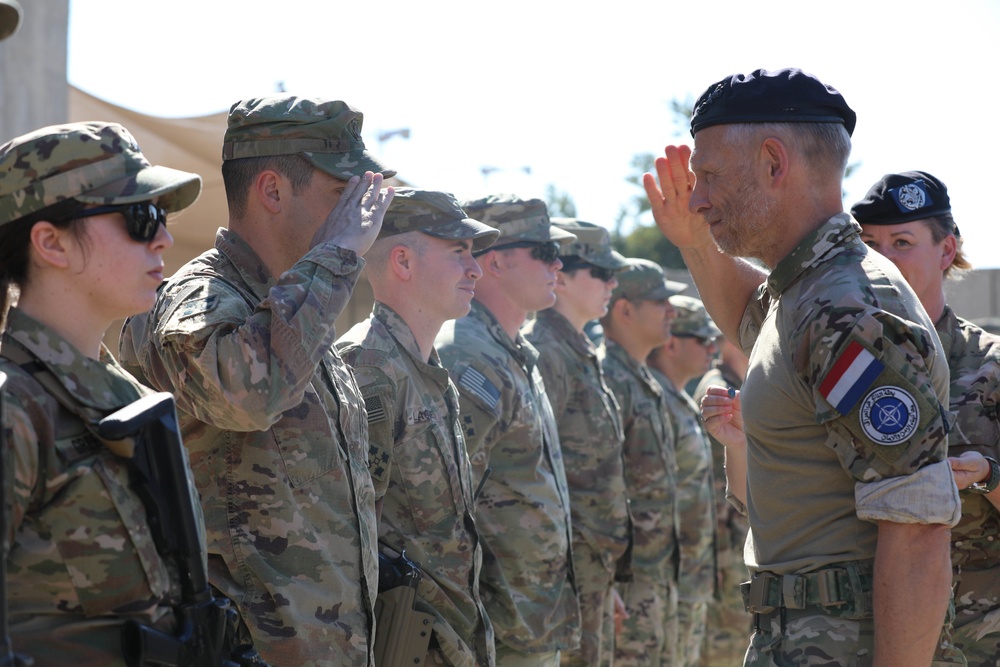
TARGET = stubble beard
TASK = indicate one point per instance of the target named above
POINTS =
(747, 221)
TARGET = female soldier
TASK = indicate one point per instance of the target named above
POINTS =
(907, 217)
(82, 235)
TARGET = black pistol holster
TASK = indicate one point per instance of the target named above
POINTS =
(402, 633)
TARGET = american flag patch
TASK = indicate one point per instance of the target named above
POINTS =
(375, 409)
(851, 375)
(480, 386)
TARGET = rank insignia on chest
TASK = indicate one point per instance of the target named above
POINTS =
(849, 378)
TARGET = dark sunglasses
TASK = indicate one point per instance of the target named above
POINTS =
(546, 252)
(702, 340)
(599, 273)
(142, 220)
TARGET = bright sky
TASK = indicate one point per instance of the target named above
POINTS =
(567, 92)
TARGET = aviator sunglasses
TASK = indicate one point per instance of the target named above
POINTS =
(142, 219)
(546, 252)
(599, 273)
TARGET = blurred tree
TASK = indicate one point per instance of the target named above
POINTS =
(559, 203)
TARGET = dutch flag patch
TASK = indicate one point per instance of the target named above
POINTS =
(851, 375)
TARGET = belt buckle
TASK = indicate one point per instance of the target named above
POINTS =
(760, 585)
(829, 588)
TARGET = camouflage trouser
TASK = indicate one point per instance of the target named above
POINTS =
(649, 635)
(508, 657)
(806, 638)
(729, 624)
(977, 617)
(691, 619)
(597, 621)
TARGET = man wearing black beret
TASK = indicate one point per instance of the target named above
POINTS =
(843, 469)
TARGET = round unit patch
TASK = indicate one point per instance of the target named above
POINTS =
(889, 415)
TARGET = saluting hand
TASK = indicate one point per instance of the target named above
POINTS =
(355, 221)
(671, 198)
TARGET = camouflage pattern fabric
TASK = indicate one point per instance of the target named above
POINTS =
(590, 433)
(728, 621)
(974, 361)
(650, 634)
(277, 433)
(82, 560)
(808, 639)
(94, 163)
(878, 450)
(414, 426)
(523, 508)
(695, 502)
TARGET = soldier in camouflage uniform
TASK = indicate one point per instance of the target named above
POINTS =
(590, 430)
(422, 273)
(686, 356)
(728, 621)
(847, 485)
(272, 417)
(907, 217)
(638, 320)
(523, 506)
(81, 239)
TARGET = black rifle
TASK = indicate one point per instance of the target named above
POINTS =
(7, 656)
(206, 633)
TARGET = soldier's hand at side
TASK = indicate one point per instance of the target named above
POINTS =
(621, 613)
(355, 221)
(671, 197)
(969, 468)
(723, 415)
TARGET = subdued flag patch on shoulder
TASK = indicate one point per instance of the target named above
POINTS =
(480, 386)
(374, 408)
(849, 378)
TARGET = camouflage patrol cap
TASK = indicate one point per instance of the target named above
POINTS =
(325, 132)
(592, 244)
(10, 18)
(517, 219)
(783, 96)
(644, 280)
(93, 163)
(903, 197)
(436, 214)
(692, 319)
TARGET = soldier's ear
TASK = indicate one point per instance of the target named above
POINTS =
(268, 191)
(49, 244)
(949, 248)
(774, 160)
(401, 259)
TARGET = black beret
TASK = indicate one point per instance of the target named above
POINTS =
(905, 197)
(784, 96)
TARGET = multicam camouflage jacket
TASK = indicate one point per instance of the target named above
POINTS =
(277, 433)
(590, 433)
(843, 404)
(974, 361)
(523, 508)
(416, 448)
(650, 462)
(696, 571)
(82, 560)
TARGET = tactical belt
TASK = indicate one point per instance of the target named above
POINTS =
(840, 589)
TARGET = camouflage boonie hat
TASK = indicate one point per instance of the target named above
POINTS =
(436, 214)
(10, 18)
(644, 280)
(592, 244)
(325, 132)
(517, 219)
(692, 319)
(94, 163)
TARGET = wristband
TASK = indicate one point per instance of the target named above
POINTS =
(992, 482)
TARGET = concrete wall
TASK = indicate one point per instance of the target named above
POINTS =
(33, 90)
